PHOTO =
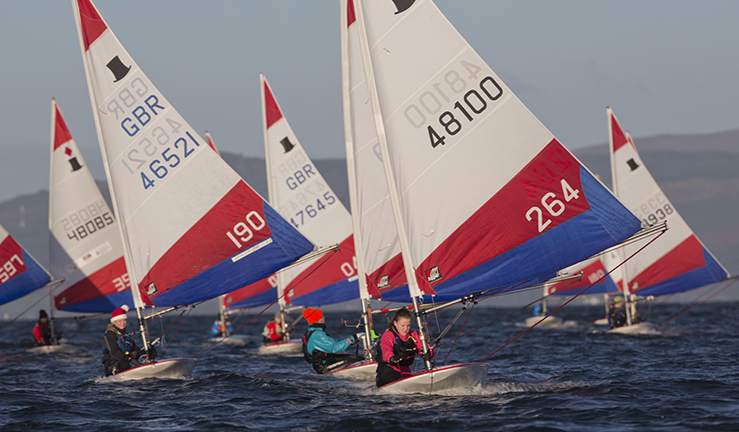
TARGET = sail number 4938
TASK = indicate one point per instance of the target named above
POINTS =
(244, 231)
(552, 205)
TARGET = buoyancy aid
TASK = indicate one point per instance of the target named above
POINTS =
(316, 357)
(401, 347)
(124, 342)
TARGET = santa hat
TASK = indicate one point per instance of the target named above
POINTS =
(312, 315)
(119, 314)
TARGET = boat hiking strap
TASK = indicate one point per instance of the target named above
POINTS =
(729, 282)
(189, 309)
(573, 298)
(263, 310)
(458, 333)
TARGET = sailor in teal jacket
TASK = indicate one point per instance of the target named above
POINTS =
(321, 350)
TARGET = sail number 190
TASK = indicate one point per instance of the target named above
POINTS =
(244, 231)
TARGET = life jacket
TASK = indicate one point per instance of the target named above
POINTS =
(316, 357)
(400, 346)
(125, 343)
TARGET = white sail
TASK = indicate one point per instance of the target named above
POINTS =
(377, 237)
(192, 228)
(486, 193)
(677, 261)
(85, 245)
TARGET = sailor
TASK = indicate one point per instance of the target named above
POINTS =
(272, 332)
(617, 312)
(119, 350)
(538, 309)
(221, 330)
(42, 330)
(397, 349)
(321, 350)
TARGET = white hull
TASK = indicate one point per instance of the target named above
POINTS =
(361, 371)
(550, 321)
(643, 328)
(602, 321)
(172, 368)
(455, 377)
(231, 340)
(53, 349)
(291, 348)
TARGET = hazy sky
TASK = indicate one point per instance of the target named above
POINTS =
(664, 66)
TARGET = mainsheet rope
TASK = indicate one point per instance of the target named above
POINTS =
(568, 301)
(28, 309)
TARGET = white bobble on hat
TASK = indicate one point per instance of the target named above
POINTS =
(119, 314)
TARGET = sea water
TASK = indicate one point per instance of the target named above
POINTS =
(578, 378)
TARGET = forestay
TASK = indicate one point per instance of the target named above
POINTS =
(20, 273)
(677, 261)
(487, 194)
(302, 196)
(376, 239)
(193, 229)
(85, 244)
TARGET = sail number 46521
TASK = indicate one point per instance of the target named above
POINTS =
(244, 231)
(552, 205)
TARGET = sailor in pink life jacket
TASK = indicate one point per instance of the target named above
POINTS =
(398, 348)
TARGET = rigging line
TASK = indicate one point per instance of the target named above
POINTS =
(729, 283)
(29, 308)
(170, 325)
(178, 330)
(458, 333)
(573, 298)
(513, 312)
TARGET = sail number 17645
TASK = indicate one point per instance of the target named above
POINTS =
(552, 205)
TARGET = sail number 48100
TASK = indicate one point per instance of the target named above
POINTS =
(552, 205)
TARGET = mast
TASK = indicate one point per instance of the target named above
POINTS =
(271, 200)
(413, 288)
(51, 235)
(614, 186)
(138, 303)
(364, 296)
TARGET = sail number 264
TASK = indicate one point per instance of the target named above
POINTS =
(552, 205)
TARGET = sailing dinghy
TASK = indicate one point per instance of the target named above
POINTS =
(483, 195)
(191, 228)
(594, 278)
(676, 262)
(21, 274)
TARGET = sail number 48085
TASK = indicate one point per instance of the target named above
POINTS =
(552, 205)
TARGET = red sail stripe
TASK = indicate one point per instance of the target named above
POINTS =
(685, 257)
(92, 24)
(350, 17)
(619, 137)
(206, 243)
(501, 223)
(270, 106)
(98, 284)
(61, 132)
(8, 248)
